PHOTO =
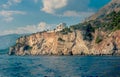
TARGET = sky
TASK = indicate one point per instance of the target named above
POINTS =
(30, 16)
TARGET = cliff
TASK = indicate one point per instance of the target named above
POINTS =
(66, 44)
(99, 35)
(54, 43)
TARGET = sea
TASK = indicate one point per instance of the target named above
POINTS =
(59, 66)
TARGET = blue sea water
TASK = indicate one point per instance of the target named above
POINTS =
(59, 66)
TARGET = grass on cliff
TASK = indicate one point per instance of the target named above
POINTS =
(98, 39)
(115, 21)
(110, 22)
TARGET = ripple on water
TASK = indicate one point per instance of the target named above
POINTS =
(59, 66)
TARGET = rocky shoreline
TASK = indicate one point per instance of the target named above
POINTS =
(99, 35)
(69, 44)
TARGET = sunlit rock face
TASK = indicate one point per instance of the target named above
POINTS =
(69, 44)
(50, 44)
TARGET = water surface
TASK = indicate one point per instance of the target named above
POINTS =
(59, 66)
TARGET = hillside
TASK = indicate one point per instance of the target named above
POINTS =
(114, 5)
(8, 40)
(99, 35)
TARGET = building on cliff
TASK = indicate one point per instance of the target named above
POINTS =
(59, 27)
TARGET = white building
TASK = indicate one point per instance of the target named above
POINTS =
(60, 27)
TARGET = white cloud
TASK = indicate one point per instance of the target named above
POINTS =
(8, 15)
(42, 25)
(50, 6)
(67, 8)
(71, 13)
(10, 3)
(29, 29)
(76, 14)
(8, 19)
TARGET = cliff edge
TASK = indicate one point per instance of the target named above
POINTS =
(99, 35)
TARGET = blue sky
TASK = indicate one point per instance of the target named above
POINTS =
(29, 16)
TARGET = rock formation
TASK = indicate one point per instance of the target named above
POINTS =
(99, 35)
(54, 43)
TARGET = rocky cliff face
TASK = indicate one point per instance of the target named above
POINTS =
(54, 43)
(98, 36)
(66, 44)
(110, 45)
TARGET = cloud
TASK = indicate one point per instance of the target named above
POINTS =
(50, 6)
(71, 13)
(29, 29)
(76, 14)
(8, 15)
(8, 19)
(10, 3)
(67, 8)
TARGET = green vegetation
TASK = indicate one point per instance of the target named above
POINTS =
(60, 39)
(86, 29)
(87, 35)
(79, 26)
(66, 31)
(115, 21)
(110, 22)
(117, 27)
(98, 39)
